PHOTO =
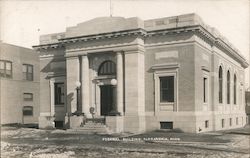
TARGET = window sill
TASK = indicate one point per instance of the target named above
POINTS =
(59, 105)
(166, 103)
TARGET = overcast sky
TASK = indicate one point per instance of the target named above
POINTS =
(23, 21)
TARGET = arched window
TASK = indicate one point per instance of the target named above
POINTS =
(107, 68)
(228, 87)
(220, 84)
(235, 86)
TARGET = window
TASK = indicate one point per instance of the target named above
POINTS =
(27, 111)
(205, 90)
(230, 122)
(220, 84)
(28, 72)
(5, 69)
(27, 96)
(222, 123)
(59, 124)
(59, 93)
(228, 87)
(166, 125)
(107, 68)
(235, 86)
(237, 120)
(247, 97)
(206, 124)
(167, 89)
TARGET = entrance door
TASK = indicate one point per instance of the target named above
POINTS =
(106, 99)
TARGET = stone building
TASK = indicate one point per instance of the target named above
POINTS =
(19, 85)
(174, 72)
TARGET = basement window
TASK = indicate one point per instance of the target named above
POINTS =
(59, 124)
(206, 124)
(222, 123)
(27, 111)
(230, 122)
(166, 125)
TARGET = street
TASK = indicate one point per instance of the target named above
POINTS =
(36, 143)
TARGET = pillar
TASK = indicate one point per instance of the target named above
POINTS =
(52, 97)
(119, 70)
(85, 85)
(134, 117)
(73, 73)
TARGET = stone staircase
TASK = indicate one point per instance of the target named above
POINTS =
(92, 126)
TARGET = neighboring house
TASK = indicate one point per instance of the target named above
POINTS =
(248, 105)
(19, 84)
(173, 72)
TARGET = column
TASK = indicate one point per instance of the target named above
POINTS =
(52, 97)
(73, 66)
(119, 70)
(85, 85)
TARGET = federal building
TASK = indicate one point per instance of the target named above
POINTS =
(141, 75)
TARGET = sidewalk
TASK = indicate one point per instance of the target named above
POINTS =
(242, 131)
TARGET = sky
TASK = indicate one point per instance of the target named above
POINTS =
(23, 21)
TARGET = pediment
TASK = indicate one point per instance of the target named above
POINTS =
(104, 25)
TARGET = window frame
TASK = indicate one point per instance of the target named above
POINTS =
(56, 96)
(32, 111)
(235, 90)
(164, 89)
(205, 89)
(26, 74)
(165, 106)
(206, 123)
(107, 67)
(228, 87)
(220, 74)
(5, 69)
(222, 123)
(27, 99)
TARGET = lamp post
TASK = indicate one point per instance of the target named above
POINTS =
(78, 86)
(114, 111)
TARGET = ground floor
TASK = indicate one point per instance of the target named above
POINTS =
(112, 88)
(25, 142)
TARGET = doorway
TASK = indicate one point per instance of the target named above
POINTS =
(107, 99)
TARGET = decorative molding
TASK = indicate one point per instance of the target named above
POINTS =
(165, 66)
(205, 68)
(204, 33)
(166, 54)
(53, 75)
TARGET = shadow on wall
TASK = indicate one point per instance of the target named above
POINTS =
(55, 67)
(69, 102)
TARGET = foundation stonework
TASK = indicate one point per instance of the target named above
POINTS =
(144, 75)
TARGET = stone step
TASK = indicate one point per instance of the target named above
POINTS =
(91, 123)
(93, 127)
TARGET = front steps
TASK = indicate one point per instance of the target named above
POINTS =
(92, 126)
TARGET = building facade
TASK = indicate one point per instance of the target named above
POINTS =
(19, 85)
(173, 72)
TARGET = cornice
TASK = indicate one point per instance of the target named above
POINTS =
(48, 46)
(108, 35)
(206, 35)
(128, 48)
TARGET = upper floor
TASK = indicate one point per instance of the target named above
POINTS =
(18, 63)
